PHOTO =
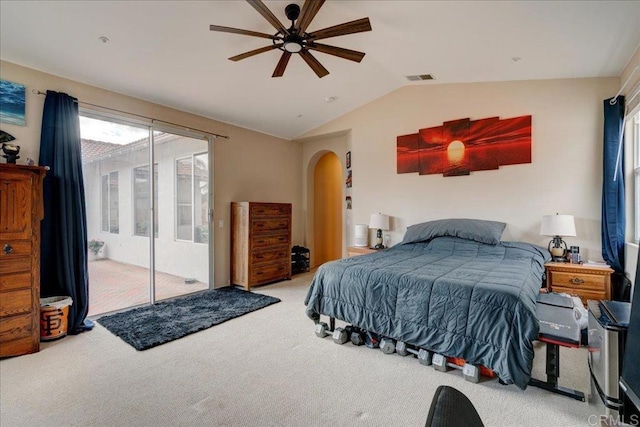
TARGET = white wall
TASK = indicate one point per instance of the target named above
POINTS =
(565, 174)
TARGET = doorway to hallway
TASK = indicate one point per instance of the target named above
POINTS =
(327, 194)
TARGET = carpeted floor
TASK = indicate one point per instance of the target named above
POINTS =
(266, 368)
(150, 326)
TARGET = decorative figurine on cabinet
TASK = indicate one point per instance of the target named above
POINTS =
(10, 150)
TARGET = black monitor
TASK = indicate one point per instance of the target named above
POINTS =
(630, 378)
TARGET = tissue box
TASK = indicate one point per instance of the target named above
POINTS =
(557, 317)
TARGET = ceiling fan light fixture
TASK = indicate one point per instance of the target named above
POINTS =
(296, 39)
(293, 47)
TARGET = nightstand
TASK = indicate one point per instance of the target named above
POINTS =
(359, 250)
(587, 282)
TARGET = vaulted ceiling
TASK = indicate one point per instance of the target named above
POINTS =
(163, 51)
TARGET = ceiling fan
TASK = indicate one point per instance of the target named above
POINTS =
(296, 40)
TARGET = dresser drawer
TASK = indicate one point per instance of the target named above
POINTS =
(18, 260)
(16, 248)
(15, 302)
(578, 281)
(279, 254)
(268, 273)
(270, 210)
(583, 294)
(270, 226)
(9, 282)
(15, 327)
(263, 241)
(18, 264)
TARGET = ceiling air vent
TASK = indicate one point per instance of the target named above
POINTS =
(419, 77)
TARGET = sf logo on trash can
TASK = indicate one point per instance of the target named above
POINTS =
(51, 322)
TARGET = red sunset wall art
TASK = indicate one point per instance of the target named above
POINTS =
(461, 146)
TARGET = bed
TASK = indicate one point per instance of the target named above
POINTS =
(451, 287)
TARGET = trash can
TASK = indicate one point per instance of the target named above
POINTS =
(54, 317)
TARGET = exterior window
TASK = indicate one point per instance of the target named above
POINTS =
(192, 198)
(142, 201)
(110, 221)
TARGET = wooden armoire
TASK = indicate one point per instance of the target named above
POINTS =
(21, 211)
(260, 243)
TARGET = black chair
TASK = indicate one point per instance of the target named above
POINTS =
(451, 408)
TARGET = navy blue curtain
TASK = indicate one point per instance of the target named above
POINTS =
(64, 228)
(613, 217)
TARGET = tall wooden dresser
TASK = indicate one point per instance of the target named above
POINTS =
(21, 211)
(260, 243)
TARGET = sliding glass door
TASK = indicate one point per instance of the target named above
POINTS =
(129, 201)
(182, 246)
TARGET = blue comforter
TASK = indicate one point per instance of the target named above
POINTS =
(453, 296)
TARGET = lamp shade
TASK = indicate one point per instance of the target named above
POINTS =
(558, 225)
(379, 221)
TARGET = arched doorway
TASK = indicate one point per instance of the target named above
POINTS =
(327, 209)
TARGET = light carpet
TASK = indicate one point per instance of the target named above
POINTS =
(266, 368)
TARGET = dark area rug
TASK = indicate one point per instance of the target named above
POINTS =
(148, 327)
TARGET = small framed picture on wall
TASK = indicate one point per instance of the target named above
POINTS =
(348, 159)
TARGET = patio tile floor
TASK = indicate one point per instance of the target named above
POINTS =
(114, 286)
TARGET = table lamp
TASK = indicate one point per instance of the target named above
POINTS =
(557, 226)
(381, 222)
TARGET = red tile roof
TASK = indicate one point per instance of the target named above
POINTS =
(93, 149)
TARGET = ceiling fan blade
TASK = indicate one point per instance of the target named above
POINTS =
(309, 10)
(239, 31)
(351, 55)
(268, 15)
(282, 64)
(357, 26)
(254, 52)
(313, 63)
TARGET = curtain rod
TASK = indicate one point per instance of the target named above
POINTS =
(615, 98)
(39, 92)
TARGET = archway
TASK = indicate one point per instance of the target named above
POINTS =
(327, 209)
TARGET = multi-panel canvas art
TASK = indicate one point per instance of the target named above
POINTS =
(459, 147)
(12, 103)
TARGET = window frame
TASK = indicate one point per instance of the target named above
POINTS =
(134, 193)
(109, 203)
(192, 204)
(177, 203)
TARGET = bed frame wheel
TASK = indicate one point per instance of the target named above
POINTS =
(322, 330)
